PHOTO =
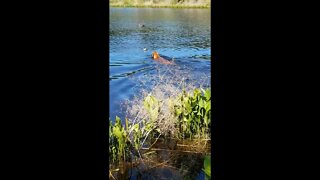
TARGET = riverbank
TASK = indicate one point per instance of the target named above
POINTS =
(166, 4)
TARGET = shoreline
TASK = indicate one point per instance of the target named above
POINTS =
(160, 6)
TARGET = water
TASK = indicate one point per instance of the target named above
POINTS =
(168, 161)
(183, 34)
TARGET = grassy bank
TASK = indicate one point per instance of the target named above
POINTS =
(161, 3)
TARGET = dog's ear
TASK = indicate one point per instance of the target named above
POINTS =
(154, 55)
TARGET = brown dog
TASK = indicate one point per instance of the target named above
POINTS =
(156, 57)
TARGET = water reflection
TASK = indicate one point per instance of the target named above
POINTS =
(182, 34)
(168, 159)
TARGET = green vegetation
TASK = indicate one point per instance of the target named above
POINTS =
(207, 167)
(118, 141)
(191, 115)
(167, 125)
(193, 112)
(161, 3)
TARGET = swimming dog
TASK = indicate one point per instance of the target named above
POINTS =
(156, 57)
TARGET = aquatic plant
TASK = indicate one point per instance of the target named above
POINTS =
(194, 113)
(163, 88)
(170, 106)
(207, 167)
(118, 141)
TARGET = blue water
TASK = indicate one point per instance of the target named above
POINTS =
(183, 34)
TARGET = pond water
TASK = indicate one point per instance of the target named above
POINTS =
(182, 34)
(179, 34)
(168, 160)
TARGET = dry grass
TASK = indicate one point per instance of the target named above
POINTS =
(165, 85)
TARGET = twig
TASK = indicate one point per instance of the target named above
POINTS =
(160, 164)
(154, 142)
(148, 153)
(110, 174)
(145, 138)
(115, 170)
(191, 145)
(176, 168)
(197, 139)
(156, 149)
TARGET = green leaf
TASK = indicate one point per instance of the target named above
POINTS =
(185, 119)
(153, 100)
(201, 103)
(178, 111)
(207, 94)
(205, 120)
(154, 114)
(196, 92)
(188, 107)
(207, 165)
(118, 121)
(136, 127)
(127, 124)
(146, 102)
(208, 106)
(117, 132)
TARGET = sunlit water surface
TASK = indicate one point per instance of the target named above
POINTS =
(182, 34)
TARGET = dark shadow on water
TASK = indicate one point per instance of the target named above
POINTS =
(169, 160)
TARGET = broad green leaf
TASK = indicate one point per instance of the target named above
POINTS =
(201, 103)
(118, 121)
(207, 165)
(136, 127)
(117, 132)
(208, 106)
(188, 107)
(196, 92)
(178, 111)
(207, 94)
(185, 119)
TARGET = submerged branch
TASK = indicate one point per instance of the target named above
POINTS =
(157, 149)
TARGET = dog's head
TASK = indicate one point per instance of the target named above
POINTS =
(155, 55)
